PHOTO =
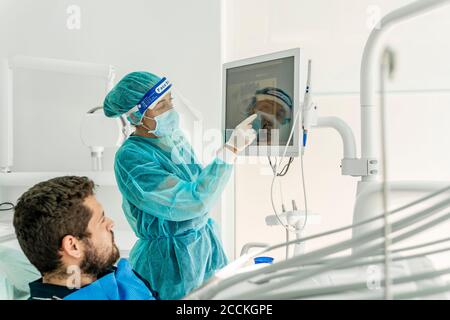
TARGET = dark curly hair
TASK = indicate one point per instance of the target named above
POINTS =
(48, 212)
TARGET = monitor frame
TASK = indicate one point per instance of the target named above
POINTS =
(276, 151)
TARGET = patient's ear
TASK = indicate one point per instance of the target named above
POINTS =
(72, 247)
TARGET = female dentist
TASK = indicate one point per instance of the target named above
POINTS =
(166, 194)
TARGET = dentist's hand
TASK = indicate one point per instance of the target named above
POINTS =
(243, 135)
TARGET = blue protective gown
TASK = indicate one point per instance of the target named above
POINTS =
(166, 198)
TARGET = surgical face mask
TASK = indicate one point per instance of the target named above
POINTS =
(166, 123)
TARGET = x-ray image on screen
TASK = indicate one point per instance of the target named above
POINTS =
(265, 89)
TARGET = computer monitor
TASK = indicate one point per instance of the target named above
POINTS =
(267, 85)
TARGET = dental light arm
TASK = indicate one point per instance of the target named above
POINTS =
(350, 164)
(367, 166)
(368, 77)
(344, 130)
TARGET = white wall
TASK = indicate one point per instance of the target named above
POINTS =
(178, 39)
(333, 33)
(172, 38)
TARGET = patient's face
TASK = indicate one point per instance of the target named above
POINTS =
(272, 116)
(100, 250)
(273, 108)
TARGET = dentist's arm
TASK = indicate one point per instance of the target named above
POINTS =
(154, 190)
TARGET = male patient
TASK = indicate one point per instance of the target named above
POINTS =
(63, 231)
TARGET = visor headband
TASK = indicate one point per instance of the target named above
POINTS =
(152, 96)
(270, 97)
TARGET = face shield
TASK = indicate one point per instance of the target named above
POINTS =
(150, 100)
(190, 118)
(274, 114)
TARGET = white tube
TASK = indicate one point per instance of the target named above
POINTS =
(368, 69)
(260, 292)
(341, 288)
(245, 249)
(6, 118)
(368, 203)
(348, 139)
(211, 290)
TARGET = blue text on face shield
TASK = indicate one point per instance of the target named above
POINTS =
(156, 92)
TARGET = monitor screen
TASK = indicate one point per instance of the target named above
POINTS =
(267, 89)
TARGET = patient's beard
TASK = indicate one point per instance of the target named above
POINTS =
(96, 263)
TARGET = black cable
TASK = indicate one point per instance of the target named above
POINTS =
(6, 203)
(271, 165)
(285, 169)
